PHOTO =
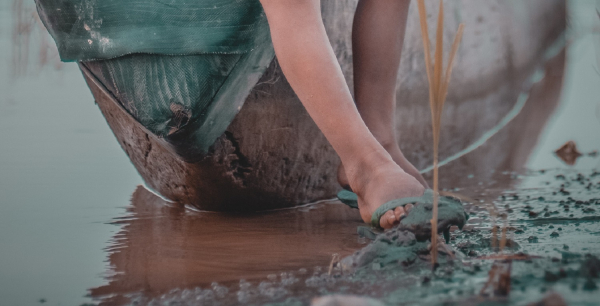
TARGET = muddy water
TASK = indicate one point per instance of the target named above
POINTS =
(62, 179)
(76, 228)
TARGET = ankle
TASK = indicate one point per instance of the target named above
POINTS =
(366, 167)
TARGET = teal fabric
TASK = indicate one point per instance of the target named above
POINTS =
(181, 68)
(445, 203)
(103, 29)
(189, 101)
(427, 197)
(189, 83)
(348, 197)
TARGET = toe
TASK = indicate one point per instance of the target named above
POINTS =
(400, 213)
(407, 208)
(388, 219)
(392, 217)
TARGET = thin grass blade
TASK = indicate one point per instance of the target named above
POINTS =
(439, 56)
(455, 45)
(426, 45)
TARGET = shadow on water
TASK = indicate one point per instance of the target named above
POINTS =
(163, 246)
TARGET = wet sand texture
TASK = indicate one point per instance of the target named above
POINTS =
(273, 155)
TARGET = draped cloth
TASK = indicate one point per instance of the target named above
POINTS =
(181, 68)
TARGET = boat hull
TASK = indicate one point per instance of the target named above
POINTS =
(273, 155)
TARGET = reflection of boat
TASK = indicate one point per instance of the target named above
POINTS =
(166, 246)
(272, 155)
(163, 246)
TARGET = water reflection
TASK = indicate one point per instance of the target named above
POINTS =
(164, 246)
(486, 168)
(31, 43)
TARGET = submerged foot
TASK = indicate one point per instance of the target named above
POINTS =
(378, 185)
(398, 157)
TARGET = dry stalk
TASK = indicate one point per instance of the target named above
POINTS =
(498, 284)
(438, 87)
(335, 258)
(497, 245)
(503, 239)
(494, 235)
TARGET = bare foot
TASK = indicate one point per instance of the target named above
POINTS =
(379, 185)
(397, 156)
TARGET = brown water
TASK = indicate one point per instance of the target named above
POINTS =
(76, 227)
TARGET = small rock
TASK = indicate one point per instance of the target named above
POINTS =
(426, 280)
(590, 285)
(568, 153)
(532, 213)
(550, 277)
(590, 267)
(532, 239)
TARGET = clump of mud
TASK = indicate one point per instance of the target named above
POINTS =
(394, 247)
(450, 213)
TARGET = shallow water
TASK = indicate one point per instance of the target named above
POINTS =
(76, 228)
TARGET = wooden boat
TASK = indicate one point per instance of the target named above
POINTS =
(273, 156)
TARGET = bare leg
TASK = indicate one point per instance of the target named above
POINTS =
(377, 40)
(310, 66)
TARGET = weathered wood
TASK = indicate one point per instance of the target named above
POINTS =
(273, 155)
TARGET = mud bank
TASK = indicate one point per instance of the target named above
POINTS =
(556, 252)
